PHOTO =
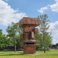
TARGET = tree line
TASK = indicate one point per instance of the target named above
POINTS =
(14, 38)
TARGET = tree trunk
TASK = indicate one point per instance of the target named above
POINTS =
(14, 44)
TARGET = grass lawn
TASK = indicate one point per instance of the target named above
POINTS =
(38, 54)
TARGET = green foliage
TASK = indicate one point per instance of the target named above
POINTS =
(47, 41)
(43, 38)
(14, 34)
(3, 40)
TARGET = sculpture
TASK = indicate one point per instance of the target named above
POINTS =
(29, 42)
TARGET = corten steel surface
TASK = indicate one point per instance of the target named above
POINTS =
(29, 31)
(30, 21)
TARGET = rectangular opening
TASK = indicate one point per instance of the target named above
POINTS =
(29, 43)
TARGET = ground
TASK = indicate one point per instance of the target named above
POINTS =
(20, 54)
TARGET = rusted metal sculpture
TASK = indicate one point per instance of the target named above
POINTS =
(29, 42)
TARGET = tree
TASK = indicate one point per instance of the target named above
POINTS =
(14, 32)
(11, 33)
(45, 37)
(3, 40)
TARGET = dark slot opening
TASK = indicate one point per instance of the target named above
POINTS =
(29, 43)
(29, 35)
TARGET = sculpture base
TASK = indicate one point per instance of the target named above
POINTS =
(29, 48)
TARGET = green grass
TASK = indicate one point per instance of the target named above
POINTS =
(20, 54)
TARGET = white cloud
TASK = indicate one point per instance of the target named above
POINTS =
(54, 7)
(54, 31)
(54, 26)
(56, 0)
(43, 9)
(8, 14)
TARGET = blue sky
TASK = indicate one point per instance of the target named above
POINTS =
(31, 7)
(14, 10)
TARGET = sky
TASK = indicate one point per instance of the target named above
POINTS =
(14, 10)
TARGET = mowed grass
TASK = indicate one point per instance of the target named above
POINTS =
(20, 54)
